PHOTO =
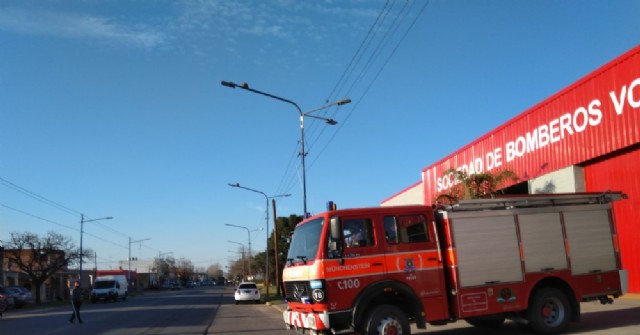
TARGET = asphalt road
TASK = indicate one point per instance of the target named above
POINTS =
(621, 318)
(188, 311)
(212, 310)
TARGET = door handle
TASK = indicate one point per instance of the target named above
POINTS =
(377, 264)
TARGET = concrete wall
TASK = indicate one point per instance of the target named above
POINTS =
(411, 196)
(567, 180)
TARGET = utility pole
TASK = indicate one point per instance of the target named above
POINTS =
(275, 246)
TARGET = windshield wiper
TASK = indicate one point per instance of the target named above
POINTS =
(303, 258)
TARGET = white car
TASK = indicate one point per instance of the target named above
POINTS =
(247, 291)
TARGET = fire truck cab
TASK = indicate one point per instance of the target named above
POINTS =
(530, 259)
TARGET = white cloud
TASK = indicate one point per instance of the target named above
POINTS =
(77, 26)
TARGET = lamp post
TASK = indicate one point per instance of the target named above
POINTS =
(242, 245)
(332, 122)
(266, 197)
(248, 238)
(82, 222)
(129, 271)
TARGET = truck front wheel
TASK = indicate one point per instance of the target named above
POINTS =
(387, 320)
(549, 311)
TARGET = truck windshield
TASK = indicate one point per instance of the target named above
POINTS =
(104, 284)
(305, 242)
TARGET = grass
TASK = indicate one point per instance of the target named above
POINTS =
(273, 298)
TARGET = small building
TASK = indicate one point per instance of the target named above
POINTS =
(54, 288)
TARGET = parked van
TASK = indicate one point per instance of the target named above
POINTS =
(109, 288)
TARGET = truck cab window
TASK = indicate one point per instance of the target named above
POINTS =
(358, 233)
(391, 229)
(412, 229)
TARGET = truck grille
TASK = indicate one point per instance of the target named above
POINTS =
(298, 291)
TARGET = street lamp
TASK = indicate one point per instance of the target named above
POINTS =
(332, 122)
(82, 221)
(129, 277)
(249, 239)
(266, 197)
(242, 245)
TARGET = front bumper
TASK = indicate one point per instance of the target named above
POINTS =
(103, 296)
(300, 321)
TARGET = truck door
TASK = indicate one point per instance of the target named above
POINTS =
(363, 259)
(412, 257)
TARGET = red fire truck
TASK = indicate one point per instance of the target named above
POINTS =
(530, 259)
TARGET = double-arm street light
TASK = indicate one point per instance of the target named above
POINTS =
(266, 197)
(249, 240)
(129, 274)
(329, 121)
(242, 245)
(82, 222)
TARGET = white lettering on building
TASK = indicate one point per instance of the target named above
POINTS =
(551, 132)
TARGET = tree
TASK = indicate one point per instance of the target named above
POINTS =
(215, 271)
(285, 227)
(184, 270)
(237, 270)
(40, 257)
(165, 268)
(475, 186)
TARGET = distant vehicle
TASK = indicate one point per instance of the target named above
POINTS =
(110, 288)
(247, 291)
(19, 296)
(27, 293)
(6, 300)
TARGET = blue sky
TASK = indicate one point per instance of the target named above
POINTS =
(115, 108)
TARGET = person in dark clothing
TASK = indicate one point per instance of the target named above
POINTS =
(76, 301)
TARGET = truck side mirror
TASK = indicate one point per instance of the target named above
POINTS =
(336, 229)
(335, 244)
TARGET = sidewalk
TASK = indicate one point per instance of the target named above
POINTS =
(635, 296)
(280, 306)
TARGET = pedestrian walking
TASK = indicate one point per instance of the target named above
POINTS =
(76, 301)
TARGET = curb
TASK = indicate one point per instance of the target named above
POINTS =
(280, 307)
(631, 296)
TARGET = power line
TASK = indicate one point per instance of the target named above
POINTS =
(60, 224)
(38, 197)
(54, 204)
(38, 217)
(361, 98)
(312, 134)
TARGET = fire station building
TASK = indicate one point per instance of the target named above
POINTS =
(585, 138)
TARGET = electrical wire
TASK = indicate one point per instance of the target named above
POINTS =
(60, 224)
(368, 87)
(38, 197)
(58, 206)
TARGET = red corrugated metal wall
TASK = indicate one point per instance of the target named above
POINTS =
(595, 116)
(620, 173)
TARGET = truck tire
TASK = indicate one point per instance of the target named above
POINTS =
(387, 320)
(490, 322)
(549, 311)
